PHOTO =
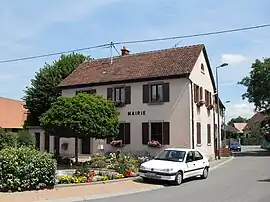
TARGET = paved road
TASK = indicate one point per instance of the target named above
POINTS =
(245, 179)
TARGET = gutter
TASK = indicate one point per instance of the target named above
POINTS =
(192, 115)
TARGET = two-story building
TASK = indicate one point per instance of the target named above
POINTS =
(165, 95)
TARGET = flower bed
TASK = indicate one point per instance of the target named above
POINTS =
(97, 169)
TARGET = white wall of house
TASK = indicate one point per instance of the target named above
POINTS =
(202, 114)
(176, 111)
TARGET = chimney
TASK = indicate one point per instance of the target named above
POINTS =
(125, 51)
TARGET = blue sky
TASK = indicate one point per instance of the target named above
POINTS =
(36, 27)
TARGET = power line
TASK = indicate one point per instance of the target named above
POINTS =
(52, 54)
(138, 41)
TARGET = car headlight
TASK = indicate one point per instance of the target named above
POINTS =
(167, 169)
(142, 168)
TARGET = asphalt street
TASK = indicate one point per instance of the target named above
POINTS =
(244, 179)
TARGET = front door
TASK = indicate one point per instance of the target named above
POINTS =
(86, 145)
(191, 166)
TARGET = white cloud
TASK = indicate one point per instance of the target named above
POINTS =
(233, 58)
(240, 108)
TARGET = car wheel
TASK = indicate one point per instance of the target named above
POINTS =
(205, 173)
(178, 178)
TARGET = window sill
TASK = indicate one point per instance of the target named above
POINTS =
(203, 72)
(209, 144)
(155, 103)
(199, 145)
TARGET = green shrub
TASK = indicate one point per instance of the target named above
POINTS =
(25, 169)
(99, 164)
(7, 139)
(25, 139)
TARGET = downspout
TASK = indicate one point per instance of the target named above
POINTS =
(192, 115)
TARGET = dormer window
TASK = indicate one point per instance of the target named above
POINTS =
(202, 68)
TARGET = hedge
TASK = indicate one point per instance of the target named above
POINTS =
(26, 169)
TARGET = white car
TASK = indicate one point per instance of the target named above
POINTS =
(176, 164)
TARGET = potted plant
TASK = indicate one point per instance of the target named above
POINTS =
(116, 143)
(154, 143)
(200, 103)
(119, 103)
(210, 106)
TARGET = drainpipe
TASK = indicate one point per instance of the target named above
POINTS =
(192, 115)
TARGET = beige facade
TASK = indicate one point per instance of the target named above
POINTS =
(181, 112)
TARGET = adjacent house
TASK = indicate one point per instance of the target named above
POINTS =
(12, 114)
(165, 95)
(253, 124)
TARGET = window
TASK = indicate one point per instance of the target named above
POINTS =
(208, 98)
(202, 67)
(91, 91)
(171, 155)
(215, 130)
(156, 93)
(158, 131)
(119, 95)
(190, 156)
(197, 156)
(199, 136)
(208, 134)
(124, 134)
(198, 93)
(37, 138)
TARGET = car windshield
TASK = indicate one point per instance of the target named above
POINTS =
(171, 155)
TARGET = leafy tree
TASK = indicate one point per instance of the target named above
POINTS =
(258, 83)
(7, 139)
(238, 119)
(80, 116)
(43, 89)
(25, 139)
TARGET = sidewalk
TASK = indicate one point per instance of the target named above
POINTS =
(78, 192)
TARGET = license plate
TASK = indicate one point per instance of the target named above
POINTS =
(152, 175)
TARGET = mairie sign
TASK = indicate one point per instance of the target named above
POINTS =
(136, 113)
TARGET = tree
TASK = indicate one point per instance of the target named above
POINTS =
(257, 84)
(80, 116)
(238, 119)
(43, 90)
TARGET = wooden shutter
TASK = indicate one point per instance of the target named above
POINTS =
(206, 97)
(145, 132)
(127, 133)
(210, 98)
(121, 132)
(166, 92)
(195, 93)
(166, 133)
(199, 138)
(146, 93)
(208, 134)
(127, 95)
(201, 93)
(109, 93)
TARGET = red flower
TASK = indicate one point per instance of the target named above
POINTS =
(89, 180)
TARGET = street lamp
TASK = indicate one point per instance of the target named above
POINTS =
(218, 110)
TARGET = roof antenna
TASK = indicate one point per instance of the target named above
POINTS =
(177, 44)
(111, 47)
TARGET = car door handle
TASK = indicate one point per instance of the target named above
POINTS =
(203, 162)
(194, 164)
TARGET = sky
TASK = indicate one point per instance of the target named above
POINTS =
(32, 27)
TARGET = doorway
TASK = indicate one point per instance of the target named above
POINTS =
(86, 145)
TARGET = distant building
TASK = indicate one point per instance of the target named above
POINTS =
(253, 124)
(12, 114)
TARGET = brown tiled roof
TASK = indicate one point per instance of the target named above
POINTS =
(154, 64)
(254, 121)
(12, 113)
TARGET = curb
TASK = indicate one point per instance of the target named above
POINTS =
(94, 183)
(221, 163)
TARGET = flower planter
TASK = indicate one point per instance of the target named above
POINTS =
(211, 106)
(116, 143)
(200, 103)
(119, 103)
(154, 144)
